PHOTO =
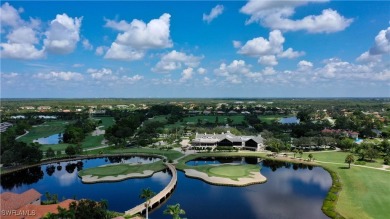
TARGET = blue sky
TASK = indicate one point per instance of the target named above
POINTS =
(253, 48)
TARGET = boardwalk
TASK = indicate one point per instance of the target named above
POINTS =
(160, 197)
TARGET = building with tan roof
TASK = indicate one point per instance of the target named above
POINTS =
(228, 139)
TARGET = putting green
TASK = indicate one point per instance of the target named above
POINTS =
(231, 171)
(122, 169)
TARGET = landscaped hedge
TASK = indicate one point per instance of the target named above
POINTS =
(329, 205)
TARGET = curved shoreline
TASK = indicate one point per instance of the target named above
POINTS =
(254, 178)
(96, 179)
(76, 158)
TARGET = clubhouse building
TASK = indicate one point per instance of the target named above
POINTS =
(254, 143)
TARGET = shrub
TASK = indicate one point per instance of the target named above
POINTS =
(360, 163)
(387, 160)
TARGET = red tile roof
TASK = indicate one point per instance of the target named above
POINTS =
(14, 201)
(36, 211)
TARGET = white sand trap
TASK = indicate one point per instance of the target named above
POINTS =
(95, 179)
(254, 178)
(98, 131)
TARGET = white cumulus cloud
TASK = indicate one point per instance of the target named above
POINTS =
(304, 65)
(123, 52)
(268, 60)
(60, 76)
(87, 45)
(175, 60)
(202, 71)
(99, 73)
(267, 50)
(137, 37)
(277, 15)
(22, 35)
(63, 34)
(9, 16)
(186, 74)
(380, 47)
(214, 13)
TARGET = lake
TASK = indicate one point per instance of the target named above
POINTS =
(52, 139)
(291, 190)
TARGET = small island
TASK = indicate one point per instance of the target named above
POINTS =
(119, 172)
(228, 174)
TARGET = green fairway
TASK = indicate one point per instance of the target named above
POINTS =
(46, 129)
(233, 171)
(122, 169)
(106, 121)
(89, 142)
(365, 192)
(339, 157)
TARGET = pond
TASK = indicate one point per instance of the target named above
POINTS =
(291, 190)
(52, 139)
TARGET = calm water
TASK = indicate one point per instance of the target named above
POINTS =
(292, 191)
(52, 139)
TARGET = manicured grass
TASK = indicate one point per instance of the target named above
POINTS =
(92, 141)
(89, 142)
(365, 192)
(157, 119)
(55, 147)
(106, 121)
(44, 130)
(122, 169)
(339, 157)
(231, 171)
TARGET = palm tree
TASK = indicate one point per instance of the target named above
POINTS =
(174, 210)
(310, 156)
(147, 194)
(349, 159)
(300, 153)
(295, 151)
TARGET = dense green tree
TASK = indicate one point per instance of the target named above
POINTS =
(295, 151)
(86, 209)
(275, 144)
(385, 146)
(50, 152)
(346, 144)
(371, 153)
(386, 160)
(305, 115)
(310, 156)
(70, 150)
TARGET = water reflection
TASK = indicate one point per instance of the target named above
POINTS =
(65, 182)
(291, 191)
(22, 177)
